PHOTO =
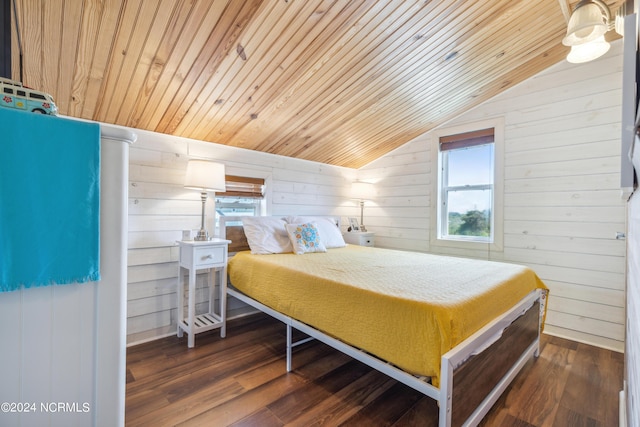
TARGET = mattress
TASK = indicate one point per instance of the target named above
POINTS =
(406, 308)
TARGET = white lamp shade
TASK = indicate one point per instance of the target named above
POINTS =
(362, 190)
(588, 51)
(205, 176)
(586, 24)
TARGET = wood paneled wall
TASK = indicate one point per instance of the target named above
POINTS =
(65, 343)
(562, 201)
(160, 208)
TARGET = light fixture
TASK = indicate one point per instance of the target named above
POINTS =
(362, 191)
(588, 23)
(204, 176)
(588, 51)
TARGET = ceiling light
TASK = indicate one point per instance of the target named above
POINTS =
(589, 20)
(588, 51)
(588, 23)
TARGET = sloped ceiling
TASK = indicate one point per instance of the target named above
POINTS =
(339, 82)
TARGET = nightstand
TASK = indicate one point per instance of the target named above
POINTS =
(360, 238)
(200, 255)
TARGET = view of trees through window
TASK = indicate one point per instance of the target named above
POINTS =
(471, 223)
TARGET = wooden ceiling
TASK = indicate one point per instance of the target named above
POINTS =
(338, 82)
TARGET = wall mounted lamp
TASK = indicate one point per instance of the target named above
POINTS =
(589, 22)
(362, 191)
(206, 177)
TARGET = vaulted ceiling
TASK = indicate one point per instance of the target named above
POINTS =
(339, 82)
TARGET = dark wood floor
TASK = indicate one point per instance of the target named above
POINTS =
(241, 381)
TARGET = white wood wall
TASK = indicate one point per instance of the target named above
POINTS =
(160, 208)
(66, 343)
(562, 201)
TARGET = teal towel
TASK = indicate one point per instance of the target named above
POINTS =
(49, 200)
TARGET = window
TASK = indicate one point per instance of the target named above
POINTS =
(466, 192)
(244, 196)
(468, 186)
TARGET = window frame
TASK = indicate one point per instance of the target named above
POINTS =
(265, 202)
(440, 239)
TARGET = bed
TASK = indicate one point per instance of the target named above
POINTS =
(457, 330)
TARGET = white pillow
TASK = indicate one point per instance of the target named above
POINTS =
(266, 235)
(329, 232)
(305, 238)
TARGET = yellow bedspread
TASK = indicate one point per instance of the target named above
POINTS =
(404, 307)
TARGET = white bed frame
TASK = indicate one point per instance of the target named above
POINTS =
(473, 346)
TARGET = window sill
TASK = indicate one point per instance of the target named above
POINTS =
(466, 244)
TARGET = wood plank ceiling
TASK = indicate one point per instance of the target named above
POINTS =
(338, 82)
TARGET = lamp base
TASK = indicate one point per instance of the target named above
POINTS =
(202, 235)
(362, 227)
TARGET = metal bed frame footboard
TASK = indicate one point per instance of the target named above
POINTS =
(456, 357)
(477, 343)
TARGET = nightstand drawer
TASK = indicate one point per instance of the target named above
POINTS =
(367, 241)
(208, 256)
(360, 238)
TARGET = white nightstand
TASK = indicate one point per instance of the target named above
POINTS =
(360, 238)
(200, 255)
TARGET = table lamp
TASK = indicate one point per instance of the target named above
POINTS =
(204, 176)
(361, 191)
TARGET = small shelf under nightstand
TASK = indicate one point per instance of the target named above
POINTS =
(362, 238)
(200, 255)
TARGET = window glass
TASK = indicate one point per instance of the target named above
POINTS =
(237, 206)
(469, 213)
(472, 165)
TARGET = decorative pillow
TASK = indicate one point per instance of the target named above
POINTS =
(266, 235)
(305, 238)
(330, 234)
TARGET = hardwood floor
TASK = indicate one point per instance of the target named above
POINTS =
(241, 381)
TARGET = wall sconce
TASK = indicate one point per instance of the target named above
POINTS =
(362, 191)
(204, 176)
(589, 22)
